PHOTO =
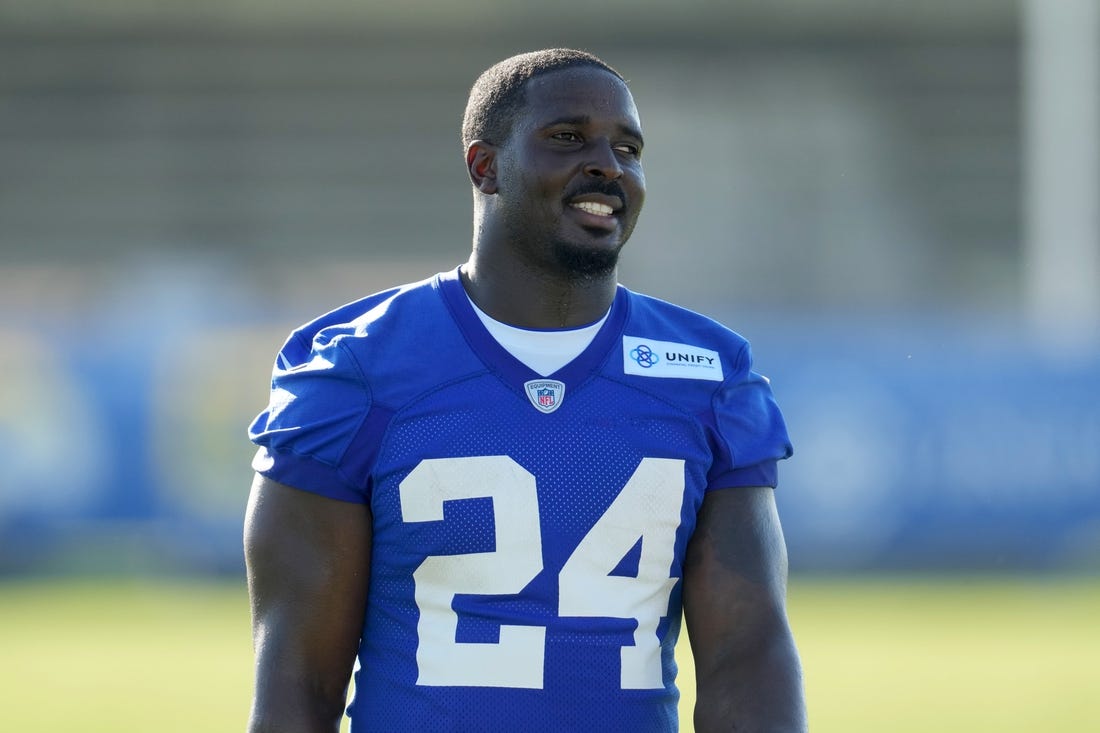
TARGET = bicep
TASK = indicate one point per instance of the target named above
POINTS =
(308, 562)
(735, 575)
(748, 674)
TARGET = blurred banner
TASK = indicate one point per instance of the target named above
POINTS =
(921, 442)
(940, 443)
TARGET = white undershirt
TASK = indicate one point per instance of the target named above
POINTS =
(544, 352)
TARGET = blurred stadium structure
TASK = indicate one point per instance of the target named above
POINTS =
(898, 203)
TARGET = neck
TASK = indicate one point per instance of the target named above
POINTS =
(514, 293)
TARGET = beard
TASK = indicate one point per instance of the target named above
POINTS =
(585, 263)
(575, 260)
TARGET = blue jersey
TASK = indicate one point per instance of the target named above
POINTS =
(529, 532)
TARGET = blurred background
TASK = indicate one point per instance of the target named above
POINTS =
(897, 203)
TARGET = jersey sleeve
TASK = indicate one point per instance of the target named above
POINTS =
(751, 433)
(319, 407)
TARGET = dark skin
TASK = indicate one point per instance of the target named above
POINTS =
(308, 560)
(747, 670)
(554, 203)
(581, 133)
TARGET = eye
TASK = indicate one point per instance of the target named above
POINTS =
(567, 136)
(627, 149)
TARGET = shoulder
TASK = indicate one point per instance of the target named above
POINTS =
(699, 364)
(397, 343)
(404, 324)
(372, 315)
(664, 339)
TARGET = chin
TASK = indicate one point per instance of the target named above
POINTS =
(586, 262)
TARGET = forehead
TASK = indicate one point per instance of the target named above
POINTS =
(578, 92)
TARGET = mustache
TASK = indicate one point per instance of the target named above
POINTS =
(606, 188)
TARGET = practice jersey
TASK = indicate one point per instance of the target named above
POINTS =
(529, 532)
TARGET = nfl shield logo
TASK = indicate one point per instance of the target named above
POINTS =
(545, 394)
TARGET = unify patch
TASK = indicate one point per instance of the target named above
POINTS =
(668, 359)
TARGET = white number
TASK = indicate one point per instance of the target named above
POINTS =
(517, 660)
(647, 509)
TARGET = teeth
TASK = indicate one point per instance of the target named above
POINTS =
(590, 207)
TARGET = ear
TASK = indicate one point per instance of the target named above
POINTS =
(481, 163)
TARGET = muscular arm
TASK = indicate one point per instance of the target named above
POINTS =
(308, 560)
(748, 673)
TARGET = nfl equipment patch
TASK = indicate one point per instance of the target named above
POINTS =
(545, 394)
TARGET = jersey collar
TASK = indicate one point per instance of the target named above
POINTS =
(512, 370)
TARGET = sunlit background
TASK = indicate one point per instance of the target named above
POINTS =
(898, 203)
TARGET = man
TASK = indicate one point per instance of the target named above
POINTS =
(494, 492)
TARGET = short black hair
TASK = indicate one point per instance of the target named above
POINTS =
(498, 94)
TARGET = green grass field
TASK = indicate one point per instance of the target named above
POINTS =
(1001, 655)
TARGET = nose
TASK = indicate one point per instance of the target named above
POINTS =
(603, 163)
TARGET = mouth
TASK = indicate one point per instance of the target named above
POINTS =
(594, 208)
(597, 212)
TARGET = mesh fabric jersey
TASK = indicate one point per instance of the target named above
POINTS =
(529, 531)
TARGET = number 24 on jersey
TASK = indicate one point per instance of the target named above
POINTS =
(648, 507)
